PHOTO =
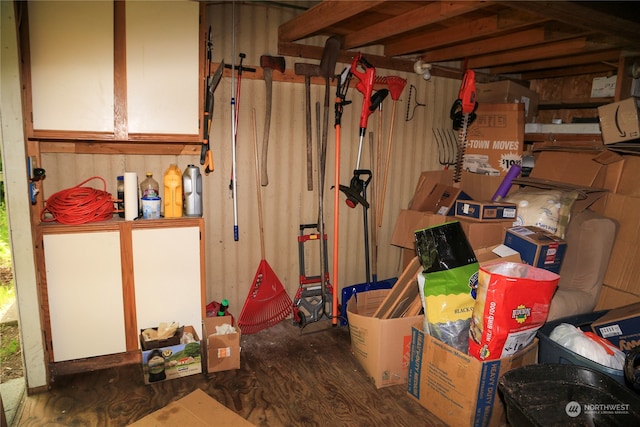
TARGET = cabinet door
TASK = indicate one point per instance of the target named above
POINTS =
(166, 270)
(84, 287)
(72, 65)
(162, 66)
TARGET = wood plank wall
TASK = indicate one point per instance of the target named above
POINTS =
(231, 265)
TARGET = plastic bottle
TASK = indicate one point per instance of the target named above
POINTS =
(192, 190)
(173, 192)
(150, 192)
(224, 306)
(149, 187)
(120, 195)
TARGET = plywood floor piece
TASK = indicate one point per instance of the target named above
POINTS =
(288, 377)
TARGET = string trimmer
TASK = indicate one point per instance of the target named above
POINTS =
(463, 113)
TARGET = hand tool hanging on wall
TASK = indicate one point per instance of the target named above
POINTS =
(463, 113)
(206, 156)
(396, 86)
(235, 113)
(342, 86)
(268, 64)
(412, 97)
(308, 70)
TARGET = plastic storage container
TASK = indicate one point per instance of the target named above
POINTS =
(550, 351)
(192, 189)
(149, 187)
(173, 192)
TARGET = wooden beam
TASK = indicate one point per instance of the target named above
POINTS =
(576, 15)
(482, 47)
(567, 71)
(548, 50)
(421, 17)
(576, 60)
(482, 28)
(320, 16)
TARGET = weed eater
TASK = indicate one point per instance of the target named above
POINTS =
(356, 192)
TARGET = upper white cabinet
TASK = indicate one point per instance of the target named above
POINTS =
(123, 71)
(72, 65)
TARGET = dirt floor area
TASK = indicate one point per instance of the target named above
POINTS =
(10, 352)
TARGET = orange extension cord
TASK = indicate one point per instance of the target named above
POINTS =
(79, 205)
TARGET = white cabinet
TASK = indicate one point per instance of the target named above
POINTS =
(166, 274)
(84, 287)
(102, 283)
(104, 70)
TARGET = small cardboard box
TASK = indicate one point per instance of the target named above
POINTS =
(442, 199)
(507, 92)
(497, 253)
(495, 139)
(621, 326)
(197, 409)
(537, 247)
(222, 352)
(165, 342)
(458, 388)
(619, 121)
(173, 361)
(486, 211)
(380, 345)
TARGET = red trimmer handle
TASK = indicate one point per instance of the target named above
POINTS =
(467, 93)
(365, 86)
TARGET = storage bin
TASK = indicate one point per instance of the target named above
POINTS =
(552, 352)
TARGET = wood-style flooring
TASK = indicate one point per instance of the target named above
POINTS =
(288, 377)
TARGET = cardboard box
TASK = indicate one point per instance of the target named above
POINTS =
(537, 247)
(222, 352)
(497, 253)
(508, 92)
(426, 183)
(485, 211)
(621, 326)
(166, 342)
(495, 140)
(380, 345)
(611, 297)
(623, 269)
(442, 199)
(479, 234)
(619, 121)
(173, 361)
(458, 388)
(196, 409)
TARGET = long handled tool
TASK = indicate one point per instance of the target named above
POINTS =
(463, 113)
(268, 64)
(235, 113)
(396, 86)
(342, 87)
(206, 156)
(267, 303)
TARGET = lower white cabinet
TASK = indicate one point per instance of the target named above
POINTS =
(103, 283)
(84, 287)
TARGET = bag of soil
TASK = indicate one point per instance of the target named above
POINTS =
(512, 303)
(450, 270)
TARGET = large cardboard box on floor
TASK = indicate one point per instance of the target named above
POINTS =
(507, 91)
(380, 345)
(495, 139)
(222, 351)
(620, 121)
(172, 361)
(197, 409)
(458, 388)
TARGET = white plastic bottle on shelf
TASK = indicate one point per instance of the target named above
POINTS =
(150, 196)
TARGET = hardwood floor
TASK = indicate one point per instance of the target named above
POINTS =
(288, 377)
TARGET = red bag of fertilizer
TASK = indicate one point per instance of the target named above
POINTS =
(512, 303)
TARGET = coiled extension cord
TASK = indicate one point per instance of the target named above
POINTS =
(79, 205)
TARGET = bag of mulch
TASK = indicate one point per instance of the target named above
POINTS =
(512, 303)
(450, 270)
